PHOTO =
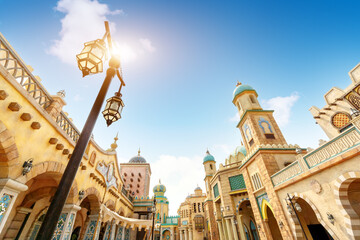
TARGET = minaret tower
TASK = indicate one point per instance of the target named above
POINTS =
(257, 126)
(210, 170)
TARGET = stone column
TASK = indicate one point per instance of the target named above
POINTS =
(91, 227)
(234, 229)
(14, 227)
(186, 234)
(65, 224)
(229, 229)
(181, 234)
(113, 230)
(221, 232)
(107, 231)
(223, 223)
(190, 234)
(241, 227)
(172, 233)
(9, 190)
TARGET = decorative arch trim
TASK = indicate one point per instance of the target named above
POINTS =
(264, 205)
(341, 186)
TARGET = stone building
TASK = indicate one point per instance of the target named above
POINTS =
(269, 189)
(136, 174)
(36, 141)
(192, 223)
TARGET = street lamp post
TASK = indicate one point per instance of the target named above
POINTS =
(90, 62)
(153, 221)
(293, 208)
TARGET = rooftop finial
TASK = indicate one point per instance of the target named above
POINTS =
(207, 151)
(238, 83)
(139, 152)
(159, 181)
(114, 145)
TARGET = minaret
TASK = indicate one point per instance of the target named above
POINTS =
(210, 170)
(257, 126)
(113, 145)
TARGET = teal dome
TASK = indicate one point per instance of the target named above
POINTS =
(208, 157)
(241, 149)
(242, 88)
(159, 189)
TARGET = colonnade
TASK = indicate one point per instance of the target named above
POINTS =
(186, 233)
(228, 229)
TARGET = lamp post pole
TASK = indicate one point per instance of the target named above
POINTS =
(153, 221)
(52, 216)
(292, 205)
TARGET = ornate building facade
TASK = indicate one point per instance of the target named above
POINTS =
(269, 189)
(192, 223)
(99, 206)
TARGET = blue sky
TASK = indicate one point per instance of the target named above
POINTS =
(181, 61)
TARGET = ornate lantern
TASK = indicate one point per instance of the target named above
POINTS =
(113, 109)
(90, 58)
(27, 166)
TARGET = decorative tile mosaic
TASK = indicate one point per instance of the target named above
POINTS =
(59, 227)
(90, 230)
(4, 204)
(119, 233)
(127, 234)
(237, 182)
(35, 232)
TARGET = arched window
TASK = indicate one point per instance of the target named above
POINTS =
(199, 207)
(92, 158)
(253, 230)
(252, 99)
(211, 167)
(194, 207)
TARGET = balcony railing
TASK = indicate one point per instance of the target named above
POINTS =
(347, 140)
(23, 76)
(287, 173)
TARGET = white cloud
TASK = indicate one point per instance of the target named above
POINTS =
(235, 118)
(147, 45)
(180, 175)
(84, 22)
(282, 107)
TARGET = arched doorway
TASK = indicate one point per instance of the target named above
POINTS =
(246, 218)
(272, 223)
(166, 235)
(75, 234)
(313, 229)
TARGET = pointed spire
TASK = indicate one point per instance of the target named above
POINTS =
(159, 181)
(207, 151)
(139, 152)
(114, 145)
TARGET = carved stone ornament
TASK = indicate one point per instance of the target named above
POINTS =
(315, 186)
(108, 172)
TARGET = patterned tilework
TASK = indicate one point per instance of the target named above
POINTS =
(97, 231)
(237, 182)
(35, 232)
(119, 233)
(107, 232)
(216, 191)
(69, 226)
(260, 199)
(4, 204)
(90, 231)
(59, 227)
(127, 234)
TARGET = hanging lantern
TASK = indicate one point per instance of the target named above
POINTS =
(90, 58)
(113, 109)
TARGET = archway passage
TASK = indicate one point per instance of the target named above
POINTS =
(273, 225)
(314, 230)
(354, 196)
(246, 218)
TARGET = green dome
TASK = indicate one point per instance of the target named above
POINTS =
(159, 189)
(241, 88)
(241, 149)
(208, 157)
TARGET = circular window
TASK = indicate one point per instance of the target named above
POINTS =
(137, 191)
(340, 119)
(131, 180)
(132, 174)
(125, 174)
(138, 179)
